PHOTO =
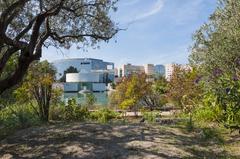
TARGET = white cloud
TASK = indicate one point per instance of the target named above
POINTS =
(154, 10)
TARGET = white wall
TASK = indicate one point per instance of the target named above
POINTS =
(82, 77)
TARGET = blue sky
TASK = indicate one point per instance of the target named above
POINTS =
(158, 32)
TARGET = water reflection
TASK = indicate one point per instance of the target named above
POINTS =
(101, 97)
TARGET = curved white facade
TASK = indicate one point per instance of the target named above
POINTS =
(82, 77)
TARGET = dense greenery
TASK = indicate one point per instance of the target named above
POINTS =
(16, 117)
(38, 87)
(139, 90)
(216, 53)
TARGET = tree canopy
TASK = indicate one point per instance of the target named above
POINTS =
(216, 51)
(216, 45)
(26, 26)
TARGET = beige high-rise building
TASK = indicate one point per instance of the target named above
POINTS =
(149, 69)
(169, 68)
(128, 69)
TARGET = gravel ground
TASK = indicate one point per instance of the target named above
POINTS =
(88, 140)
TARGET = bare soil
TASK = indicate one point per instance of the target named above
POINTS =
(120, 141)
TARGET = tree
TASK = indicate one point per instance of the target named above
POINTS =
(37, 86)
(216, 44)
(216, 53)
(71, 69)
(155, 97)
(26, 26)
(135, 91)
(185, 89)
(7, 97)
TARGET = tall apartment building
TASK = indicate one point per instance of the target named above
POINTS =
(169, 68)
(129, 69)
(149, 69)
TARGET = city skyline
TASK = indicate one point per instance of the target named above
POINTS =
(158, 32)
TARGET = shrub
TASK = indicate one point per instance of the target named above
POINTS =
(57, 112)
(17, 117)
(204, 114)
(81, 113)
(69, 109)
(104, 115)
(75, 112)
(151, 116)
(90, 99)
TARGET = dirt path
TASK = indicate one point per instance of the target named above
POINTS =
(78, 140)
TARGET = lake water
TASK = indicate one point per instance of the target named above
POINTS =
(101, 97)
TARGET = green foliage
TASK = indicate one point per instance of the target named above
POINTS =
(216, 43)
(104, 115)
(205, 114)
(155, 97)
(90, 99)
(17, 117)
(137, 90)
(184, 89)
(82, 113)
(75, 112)
(37, 87)
(151, 116)
(225, 100)
(10, 65)
(216, 53)
(211, 134)
(57, 112)
(127, 103)
(69, 109)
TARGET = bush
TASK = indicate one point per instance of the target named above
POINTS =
(90, 99)
(57, 112)
(81, 113)
(151, 116)
(17, 117)
(104, 115)
(204, 114)
(75, 112)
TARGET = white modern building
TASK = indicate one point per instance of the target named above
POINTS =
(92, 75)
